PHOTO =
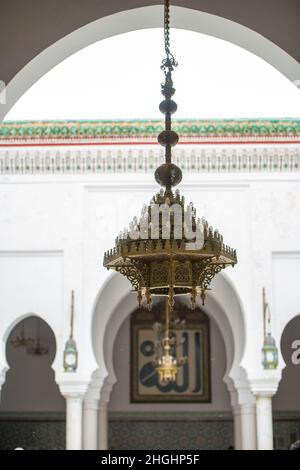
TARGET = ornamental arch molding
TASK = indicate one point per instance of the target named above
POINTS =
(142, 18)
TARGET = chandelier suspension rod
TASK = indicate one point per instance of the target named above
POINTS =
(168, 119)
(167, 66)
(167, 318)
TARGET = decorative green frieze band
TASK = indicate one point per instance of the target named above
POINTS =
(147, 129)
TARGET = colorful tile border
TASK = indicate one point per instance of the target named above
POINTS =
(147, 130)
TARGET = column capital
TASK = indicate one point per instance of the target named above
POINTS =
(265, 387)
(239, 388)
(95, 386)
(244, 408)
(91, 404)
(73, 388)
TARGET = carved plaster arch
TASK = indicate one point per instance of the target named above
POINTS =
(115, 302)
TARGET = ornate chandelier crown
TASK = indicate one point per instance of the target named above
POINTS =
(169, 251)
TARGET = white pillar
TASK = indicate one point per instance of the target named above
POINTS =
(103, 426)
(244, 422)
(248, 426)
(264, 421)
(90, 424)
(73, 421)
(237, 428)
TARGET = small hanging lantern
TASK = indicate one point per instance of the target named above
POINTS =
(70, 352)
(269, 349)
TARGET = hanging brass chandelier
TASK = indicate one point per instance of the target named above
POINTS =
(169, 251)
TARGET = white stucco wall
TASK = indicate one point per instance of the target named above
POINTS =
(55, 228)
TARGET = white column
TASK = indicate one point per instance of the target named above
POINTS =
(248, 426)
(237, 430)
(264, 421)
(73, 421)
(103, 426)
(244, 421)
(90, 424)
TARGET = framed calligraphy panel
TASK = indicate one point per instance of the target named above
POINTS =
(193, 383)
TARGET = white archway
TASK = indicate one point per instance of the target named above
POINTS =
(116, 301)
(141, 18)
(4, 366)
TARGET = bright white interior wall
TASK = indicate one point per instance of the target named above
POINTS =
(286, 265)
(31, 270)
(75, 218)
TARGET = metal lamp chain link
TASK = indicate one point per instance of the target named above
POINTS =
(167, 27)
(169, 63)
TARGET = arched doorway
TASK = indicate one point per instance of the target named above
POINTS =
(114, 306)
(32, 410)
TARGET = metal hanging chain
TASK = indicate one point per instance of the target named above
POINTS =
(169, 63)
(168, 138)
(167, 27)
